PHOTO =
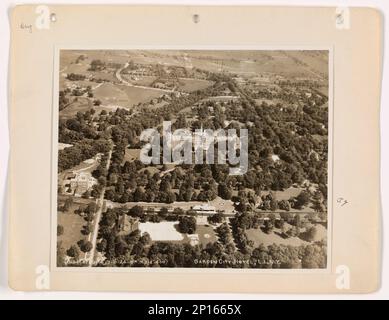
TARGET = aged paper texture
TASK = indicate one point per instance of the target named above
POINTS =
(118, 180)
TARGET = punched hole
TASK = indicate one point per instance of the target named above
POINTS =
(196, 18)
(53, 17)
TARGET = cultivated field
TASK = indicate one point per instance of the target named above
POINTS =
(189, 85)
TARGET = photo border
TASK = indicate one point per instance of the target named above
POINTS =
(54, 159)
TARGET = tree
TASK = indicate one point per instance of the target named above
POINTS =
(170, 197)
(279, 223)
(75, 76)
(138, 194)
(224, 191)
(74, 252)
(310, 234)
(314, 256)
(102, 181)
(216, 218)
(60, 230)
(317, 201)
(293, 232)
(268, 228)
(187, 224)
(136, 211)
(86, 246)
(163, 212)
(284, 205)
(102, 245)
(323, 216)
(178, 211)
(273, 205)
(145, 239)
(283, 229)
(89, 216)
(286, 216)
(272, 218)
(68, 203)
(86, 195)
(87, 229)
(61, 255)
(297, 220)
(302, 199)
(97, 65)
(91, 208)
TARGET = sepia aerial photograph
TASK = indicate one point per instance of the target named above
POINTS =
(192, 159)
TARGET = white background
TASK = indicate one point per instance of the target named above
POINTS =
(7, 293)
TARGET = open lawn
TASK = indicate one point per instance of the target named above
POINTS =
(258, 236)
(131, 155)
(221, 204)
(108, 74)
(82, 104)
(206, 234)
(285, 194)
(321, 233)
(136, 95)
(125, 96)
(110, 94)
(189, 85)
(73, 224)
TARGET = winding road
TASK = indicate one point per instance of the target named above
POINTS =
(124, 82)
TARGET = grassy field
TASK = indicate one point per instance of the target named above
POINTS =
(110, 94)
(73, 224)
(285, 194)
(136, 95)
(258, 236)
(108, 74)
(206, 234)
(82, 104)
(189, 85)
(131, 155)
(125, 96)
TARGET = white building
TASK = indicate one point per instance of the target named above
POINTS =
(204, 209)
(81, 183)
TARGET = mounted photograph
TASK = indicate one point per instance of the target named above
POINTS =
(192, 158)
